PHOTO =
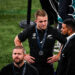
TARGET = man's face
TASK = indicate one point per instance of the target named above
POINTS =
(18, 56)
(42, 22)
(64, 29)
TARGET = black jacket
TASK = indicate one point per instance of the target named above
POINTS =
(9, 70)
(66, 65)
(65, 8)
(47, 6)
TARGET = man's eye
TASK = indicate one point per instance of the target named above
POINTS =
(14, 53)
(19, 53)
(45, 21)
(40, 21)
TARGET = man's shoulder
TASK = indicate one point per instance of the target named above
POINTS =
(31, 69)
(30, 66)
(29, 29)
(6, 68)
(52, 29)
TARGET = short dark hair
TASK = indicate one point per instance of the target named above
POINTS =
(20, 47)
(70, 23)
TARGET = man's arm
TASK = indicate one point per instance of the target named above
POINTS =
(27, 57)
(17, 41)
(54, 58)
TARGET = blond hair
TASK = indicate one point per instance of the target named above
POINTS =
(40, 13)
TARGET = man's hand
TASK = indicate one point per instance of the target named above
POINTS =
(53, 59)
(29, 58)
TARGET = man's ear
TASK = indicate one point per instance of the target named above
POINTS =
(70, 30)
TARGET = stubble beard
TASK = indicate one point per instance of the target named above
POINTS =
(18, 63)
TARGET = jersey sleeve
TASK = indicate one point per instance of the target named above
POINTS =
(23, 35)
(61, 38)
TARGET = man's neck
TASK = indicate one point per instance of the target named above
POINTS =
(20, 65)
(71, 33)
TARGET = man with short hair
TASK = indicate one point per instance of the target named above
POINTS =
(41, 40)
(66, 65)
(18, 67)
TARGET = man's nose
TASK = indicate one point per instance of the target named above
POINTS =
(16, 54)
(43, 23)
(61, 29)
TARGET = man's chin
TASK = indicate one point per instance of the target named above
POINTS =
(17, 63)
(43, 29)
(65, 35)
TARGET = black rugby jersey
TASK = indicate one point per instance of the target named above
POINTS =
(52, 35)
